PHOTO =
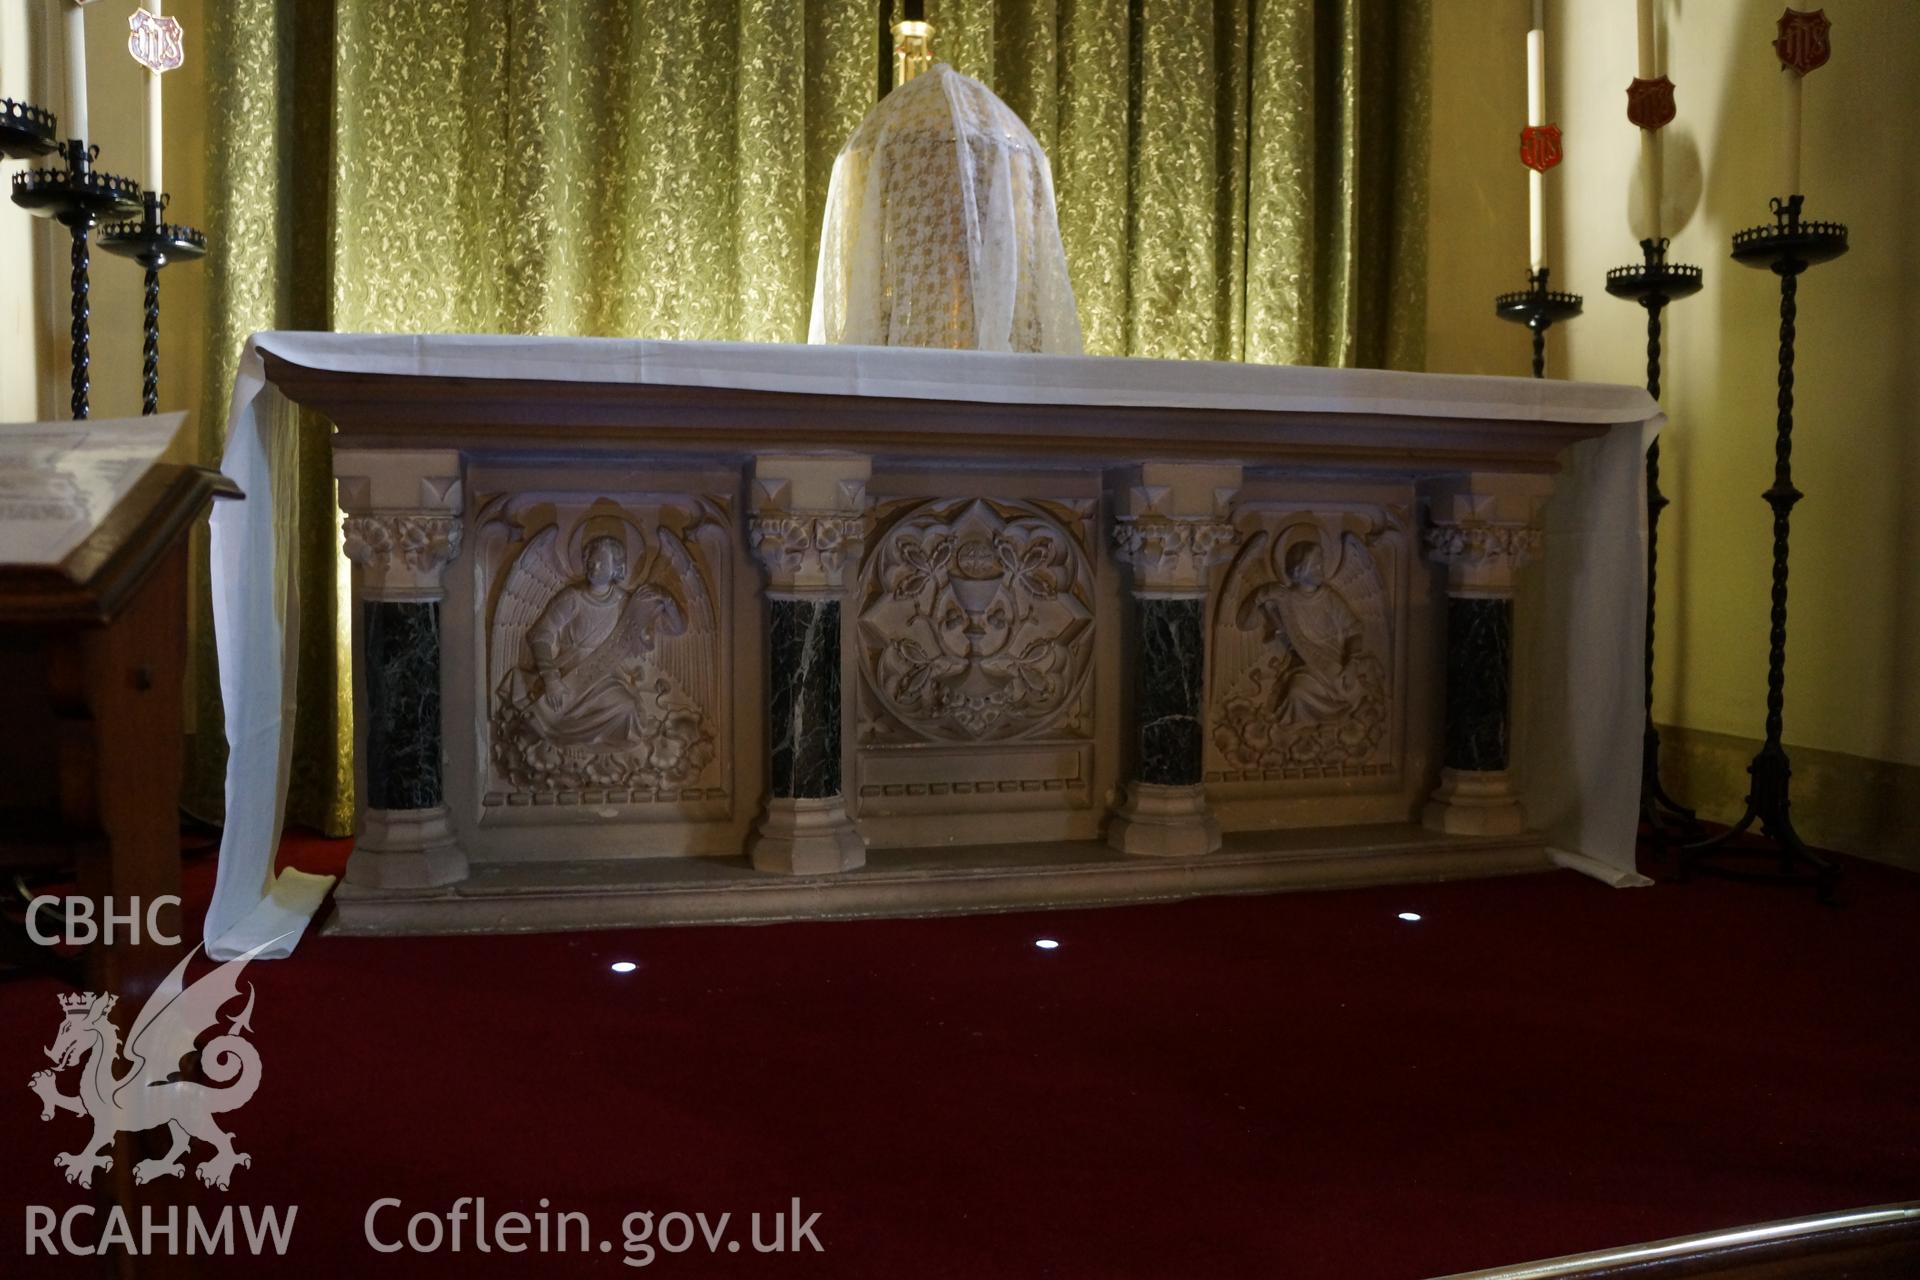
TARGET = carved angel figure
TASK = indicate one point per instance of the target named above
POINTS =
(1314, 691)
(591, 675)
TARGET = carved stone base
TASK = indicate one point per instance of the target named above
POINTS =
(924, 881)
(1164, 822)
(1474, 803)
(807, 837)
(406, 849)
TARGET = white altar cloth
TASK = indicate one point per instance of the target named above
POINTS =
(1581, 718)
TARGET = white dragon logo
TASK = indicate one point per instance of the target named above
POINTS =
(151, 1092)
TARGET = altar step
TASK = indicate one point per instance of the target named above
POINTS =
(531, 897)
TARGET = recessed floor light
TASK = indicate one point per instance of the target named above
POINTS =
(1047, 944)
(624, 966)
(1409, 915)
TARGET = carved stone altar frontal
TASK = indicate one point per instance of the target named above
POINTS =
(974, 638)
(604, 673)
(1308, 651)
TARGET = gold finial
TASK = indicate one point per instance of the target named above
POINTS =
(912, 46)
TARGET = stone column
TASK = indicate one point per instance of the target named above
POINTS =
(808, 521)
(402, 529)
(1483, 528)
(1171, 528)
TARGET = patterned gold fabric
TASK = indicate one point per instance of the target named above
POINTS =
(267, 218)
(1236, 179)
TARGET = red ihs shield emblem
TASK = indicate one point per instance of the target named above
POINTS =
(1650, 102)
(1803, 44)
(1540, 146)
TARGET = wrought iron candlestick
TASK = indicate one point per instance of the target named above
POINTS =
(153, 244)
(1787, 247)
(26, 131)
(77, 197)
(1538, 308)
(1653, 284)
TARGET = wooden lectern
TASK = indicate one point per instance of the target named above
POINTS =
(93, 647)
(93, 644)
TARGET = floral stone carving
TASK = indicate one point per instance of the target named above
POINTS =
(419, 541)
(977, 621)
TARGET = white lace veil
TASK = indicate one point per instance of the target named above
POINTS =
(940, 228)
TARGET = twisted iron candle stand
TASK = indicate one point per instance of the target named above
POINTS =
(1653, 284)
(26, 131)
(153, 244)
(77, 197)
(1539, 309)
(1786, 248)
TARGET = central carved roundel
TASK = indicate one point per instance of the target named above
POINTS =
(977, 623)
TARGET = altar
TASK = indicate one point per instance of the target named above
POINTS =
(656, 632)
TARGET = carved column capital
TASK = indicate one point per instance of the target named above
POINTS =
(1170, 556)
(809, 519)
(805, 550)
(1172, 525)
(1482, 558)
(402, 528)
(398, 544)
(403, 522)
(1484, 528)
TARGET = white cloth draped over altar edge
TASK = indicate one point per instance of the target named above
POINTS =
(1586, 713)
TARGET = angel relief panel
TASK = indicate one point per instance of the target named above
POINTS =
(604, 654)
(1305, 647)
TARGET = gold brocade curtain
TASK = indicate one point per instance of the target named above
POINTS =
(1236, 179)
(269, 135)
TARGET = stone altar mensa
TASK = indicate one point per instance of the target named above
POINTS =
(947, 631)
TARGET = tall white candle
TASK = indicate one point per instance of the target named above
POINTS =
(1653, 162)
(1536, 115)
(76, 41)
(1790, 132)
(153, 118)
(1652, 159)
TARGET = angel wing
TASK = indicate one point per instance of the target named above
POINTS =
(688, 656)
(175, 1014)
(1242, 642)
(535, 577)
(1359, 583)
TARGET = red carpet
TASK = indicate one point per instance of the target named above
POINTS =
(1299, 1085)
